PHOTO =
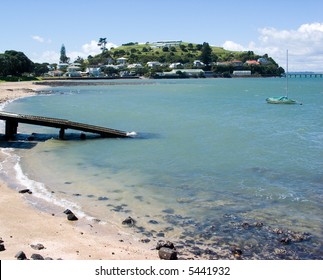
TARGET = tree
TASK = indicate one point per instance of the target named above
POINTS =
(15, 63)
(63, 58)
(102, 43)
(206, 55)
(40, 69)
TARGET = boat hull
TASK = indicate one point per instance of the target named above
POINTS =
(280, 100)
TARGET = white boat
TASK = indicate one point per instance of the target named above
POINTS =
(282, 99)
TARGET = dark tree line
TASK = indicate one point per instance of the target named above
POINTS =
(15, 63)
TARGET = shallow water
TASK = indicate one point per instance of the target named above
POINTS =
(210, 157)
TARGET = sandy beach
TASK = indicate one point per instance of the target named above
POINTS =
(22, 225)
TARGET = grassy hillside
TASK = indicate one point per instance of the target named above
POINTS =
(185, 53)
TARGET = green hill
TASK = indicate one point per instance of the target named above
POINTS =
(215, 59)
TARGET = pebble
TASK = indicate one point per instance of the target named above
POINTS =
(37, 246)
(21, 256)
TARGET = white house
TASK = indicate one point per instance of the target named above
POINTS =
(175, 65)
(122, 60)
(134, 66)
(198, 63)
(153, 64)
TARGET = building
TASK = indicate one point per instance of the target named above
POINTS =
(153, 64)
(252, 62)
(134, 66)
(242, 73)
(162, 44)
(122, 60)
(198, 63)
(176, 65)
(236, 63)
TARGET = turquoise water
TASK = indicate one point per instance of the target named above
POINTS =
(209, 157)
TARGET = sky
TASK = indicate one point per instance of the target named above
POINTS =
(39, 28)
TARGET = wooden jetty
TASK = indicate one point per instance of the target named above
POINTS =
(12, 120)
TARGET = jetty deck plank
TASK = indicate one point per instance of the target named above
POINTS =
(12, 121)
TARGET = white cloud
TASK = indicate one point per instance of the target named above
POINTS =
(91, 48)
(86, 49)
(47, 56)
(232, 46)
(304, 45)
(38, 38)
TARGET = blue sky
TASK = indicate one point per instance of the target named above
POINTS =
(39, 27)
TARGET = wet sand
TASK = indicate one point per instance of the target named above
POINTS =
(22, 225)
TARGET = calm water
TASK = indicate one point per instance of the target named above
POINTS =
(211, 160)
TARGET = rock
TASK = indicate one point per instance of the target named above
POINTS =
(103, 198)
(285, 240)
(165, 253)
(145, 240)
(278, 231)
(129, 221)
(279, 251)
(68, 211)
(26, 191)
(72, 217)
(37, 257)
(37, 246)
(237, 252)
(21, 256)
(163, 244)
(2, 248)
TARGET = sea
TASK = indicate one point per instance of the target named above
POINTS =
(210, 165)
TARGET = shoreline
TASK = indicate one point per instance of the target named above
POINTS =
(23, 225)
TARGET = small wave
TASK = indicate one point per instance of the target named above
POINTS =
(132, 134)
(12, 173)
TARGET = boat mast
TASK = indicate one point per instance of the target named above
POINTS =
(287, 73)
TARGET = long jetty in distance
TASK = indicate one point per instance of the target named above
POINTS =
(12, 120)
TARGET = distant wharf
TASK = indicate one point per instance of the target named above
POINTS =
(305, 75)
(12, 120)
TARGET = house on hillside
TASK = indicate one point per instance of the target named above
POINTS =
(162, 44)
(153, 64)
(176, 65)
(236, 63)
(198, 63)
(134, 66)
(252, 62)
(122, 60)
